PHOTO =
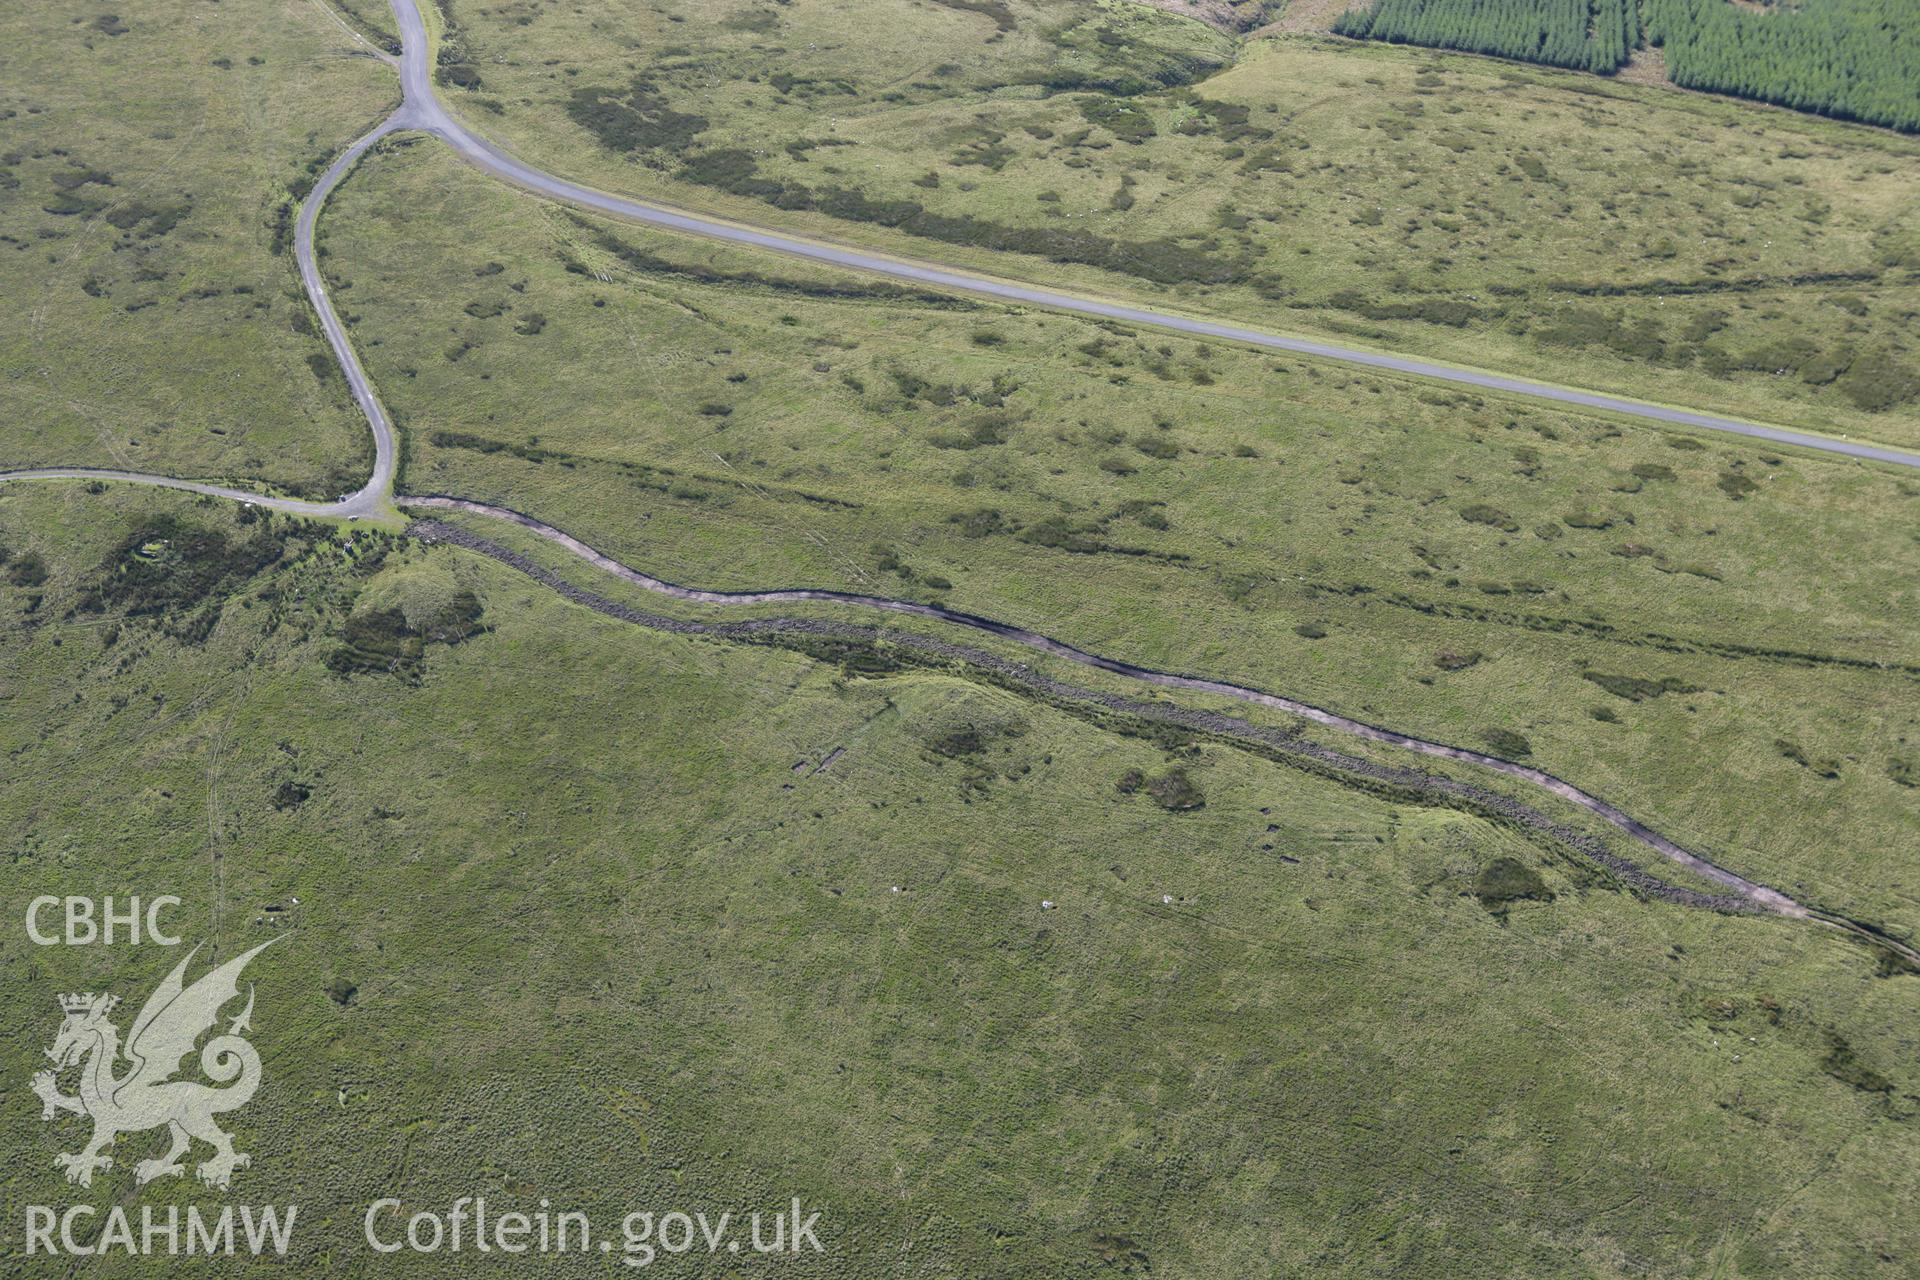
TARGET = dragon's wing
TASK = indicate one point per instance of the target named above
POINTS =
(163, 995)
(172, 1019)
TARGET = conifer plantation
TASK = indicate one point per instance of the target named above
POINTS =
(1587, 35)
(1852, 59)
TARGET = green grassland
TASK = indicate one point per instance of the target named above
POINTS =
(604, 944)
(1451, 567)
(1614, 235)
(606, 915)
(151, 161)
(1851, 59)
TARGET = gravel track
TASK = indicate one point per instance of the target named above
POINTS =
(1741, 893)
(421, 110)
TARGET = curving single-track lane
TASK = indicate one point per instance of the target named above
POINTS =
(431, 115)
(421, 110)
(372, 498)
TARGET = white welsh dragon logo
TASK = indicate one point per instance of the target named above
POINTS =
(147, 1096)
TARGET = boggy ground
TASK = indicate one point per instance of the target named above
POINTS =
(1610, 235)
(148, 175)
(630, 945)
(1714, 637)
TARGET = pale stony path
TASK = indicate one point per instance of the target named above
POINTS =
(422, 110)
(1758, 895)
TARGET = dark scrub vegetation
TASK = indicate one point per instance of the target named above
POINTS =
(1506, 880)
(166, 566)
(381, 641)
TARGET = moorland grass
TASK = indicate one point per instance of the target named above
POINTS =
(147, 183)
(605, 916)
(572, 925)
(1612, 235)
(1646, 629)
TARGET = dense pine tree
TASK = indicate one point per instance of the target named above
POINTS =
(1855, 59)
(1589, 35)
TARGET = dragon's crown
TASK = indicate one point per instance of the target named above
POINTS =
(79, 1002)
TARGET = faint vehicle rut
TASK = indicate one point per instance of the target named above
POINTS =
(421, 110)
(1740, 894)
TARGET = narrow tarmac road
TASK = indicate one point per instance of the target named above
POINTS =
(421, 110)
(428, 113)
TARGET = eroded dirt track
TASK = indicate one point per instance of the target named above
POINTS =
(1740, 894)
(421, 110)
